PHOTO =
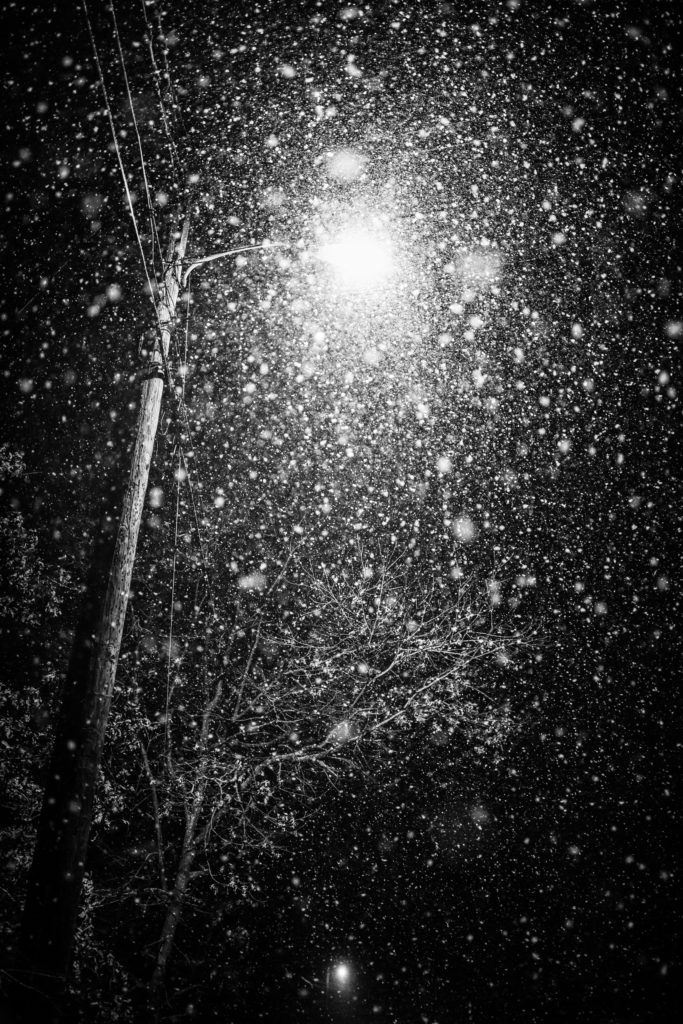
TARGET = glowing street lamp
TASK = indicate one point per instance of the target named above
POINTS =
(337, 981)
(360, 259)
(341, 974)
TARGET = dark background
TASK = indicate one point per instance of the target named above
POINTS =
(562, 902)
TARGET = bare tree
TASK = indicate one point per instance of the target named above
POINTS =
(359, 661)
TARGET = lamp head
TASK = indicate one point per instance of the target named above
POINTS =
(360, 259)
(341, 974)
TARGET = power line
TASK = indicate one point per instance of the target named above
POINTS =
(117, 149)
(181, 455)
(195, 501)
(182, 473)
(182, 408)
(169, 658)
(200, 539)
(173, 149)
(167, 69)
(150, 208)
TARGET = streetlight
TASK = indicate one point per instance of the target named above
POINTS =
(61, 845)
(341, 974)
(337, 980)
(360, 259)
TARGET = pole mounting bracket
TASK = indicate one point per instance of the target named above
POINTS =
(152, 372)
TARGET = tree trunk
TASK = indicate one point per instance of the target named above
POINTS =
(56, 875)
(175, 906)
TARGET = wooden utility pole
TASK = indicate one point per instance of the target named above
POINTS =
(56, 875)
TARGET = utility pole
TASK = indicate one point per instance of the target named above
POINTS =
(56, 875)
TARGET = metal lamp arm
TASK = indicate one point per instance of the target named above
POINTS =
(228, 252)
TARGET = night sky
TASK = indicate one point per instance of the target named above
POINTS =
(458, 353)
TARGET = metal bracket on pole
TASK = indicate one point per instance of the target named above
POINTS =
(152, 372)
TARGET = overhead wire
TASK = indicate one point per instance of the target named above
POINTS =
(164, 359)
(173, 149)
(182, 405)
(169, 658)
(188, 304)
(167, 69)
(150, 208)
(129, 198)
(184, 474)
(126, 186)
(117, 150)
(183, 467)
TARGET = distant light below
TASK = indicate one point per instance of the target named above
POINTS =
(342, 973)
(360, 260)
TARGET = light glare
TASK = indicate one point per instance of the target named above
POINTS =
(341, 973)
(359, 259)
